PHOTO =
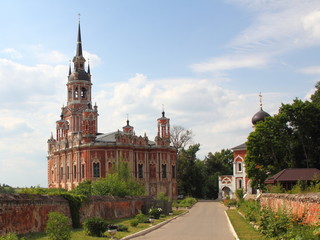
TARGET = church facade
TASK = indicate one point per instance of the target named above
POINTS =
(78, 152)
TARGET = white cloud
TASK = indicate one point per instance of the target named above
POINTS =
(220, 118)
(311, 23)
(93, 59)
(230, 62)
(46, 56)
(311, 70)
(13, 53)
(277, 27)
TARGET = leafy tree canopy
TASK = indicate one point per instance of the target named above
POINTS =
(289, 139)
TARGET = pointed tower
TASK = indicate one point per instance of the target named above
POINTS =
(89, 124)
(163, 136)
(128, 128)
(79, 90)
(62, 127)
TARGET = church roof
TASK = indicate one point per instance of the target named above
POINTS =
(242, 146)
(82, 75)
(294, 174)
(259, 116)
(111, 137)
(79, 43)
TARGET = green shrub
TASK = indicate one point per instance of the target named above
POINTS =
(240, 194)
(275, 188)
(58, 227)
(40, 190)
(141, 218)
(114, 185)
(134, 223)
(162, 196)
(122, 228)
(274, 224)
(187, 202)
(231, 203)
(84, 188)
(251, 209)
(155, 213)
(10, 236)
(95, 226)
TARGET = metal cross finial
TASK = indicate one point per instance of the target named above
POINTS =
(260, 100)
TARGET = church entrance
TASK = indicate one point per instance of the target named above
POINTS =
(226, 192)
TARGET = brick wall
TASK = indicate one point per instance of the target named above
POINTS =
(23, 213)
(297, 204)
(109, 207)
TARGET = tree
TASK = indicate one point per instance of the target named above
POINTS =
(290, 139)
(315, 97)
(84, 188)
(189, 172)
(219, 163)
(6, 189)
(180, 137)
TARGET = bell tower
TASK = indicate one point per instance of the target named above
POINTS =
(163, 136)
(78, 90)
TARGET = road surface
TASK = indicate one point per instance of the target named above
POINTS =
(206, 220)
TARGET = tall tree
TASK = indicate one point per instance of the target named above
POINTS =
(189, 170)
(180, 137)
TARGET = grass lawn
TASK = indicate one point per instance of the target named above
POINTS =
(242, 227)
(78, 234)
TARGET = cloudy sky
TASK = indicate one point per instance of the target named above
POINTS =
(205, 61)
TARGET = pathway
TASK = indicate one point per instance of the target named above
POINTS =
(206, 220)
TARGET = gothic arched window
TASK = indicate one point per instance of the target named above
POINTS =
(239, 167)
(83, 92)
(76, 93)
(96, 169)
(164, 170)
(140, 170)
(173, 171)
(240, 183)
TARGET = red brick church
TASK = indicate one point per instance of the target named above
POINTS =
(79, 152)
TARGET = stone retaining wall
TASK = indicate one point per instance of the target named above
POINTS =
(307, 205)
(23, 213)
(109, 207)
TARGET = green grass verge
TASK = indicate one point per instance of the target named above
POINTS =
(243, 228)
(78, 234)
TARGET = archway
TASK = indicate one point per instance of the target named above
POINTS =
(226, 192)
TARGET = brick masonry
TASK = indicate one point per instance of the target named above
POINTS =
(109, 207)
(307, 205)
(23, 213)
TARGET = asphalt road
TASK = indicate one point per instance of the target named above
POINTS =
(206, 220)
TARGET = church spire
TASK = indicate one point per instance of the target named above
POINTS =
(79, 60)
(79, 44)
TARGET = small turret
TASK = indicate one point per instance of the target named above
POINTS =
(128, 128)
(261, 115)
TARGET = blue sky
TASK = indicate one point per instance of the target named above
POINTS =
(206, 61)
